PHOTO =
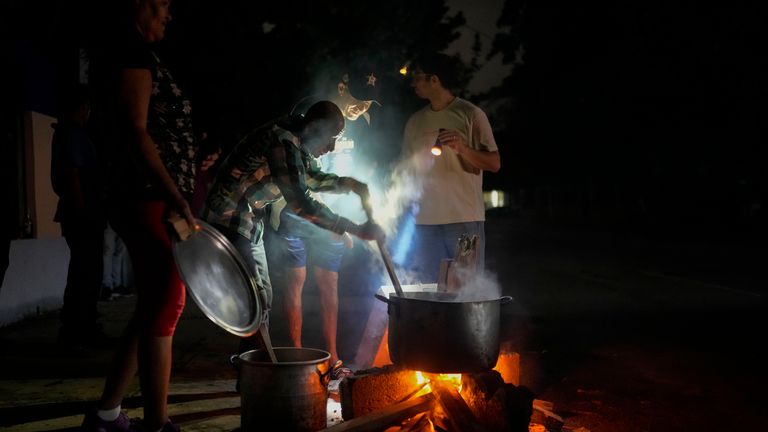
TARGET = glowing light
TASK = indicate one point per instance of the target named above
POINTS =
(451, 379)
(404, 240)
(494, 198)
(404, 70)
(437, 151)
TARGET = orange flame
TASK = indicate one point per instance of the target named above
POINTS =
(453, 379)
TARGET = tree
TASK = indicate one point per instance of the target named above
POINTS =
(252, 61)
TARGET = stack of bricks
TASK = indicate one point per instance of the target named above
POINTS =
(373, 389)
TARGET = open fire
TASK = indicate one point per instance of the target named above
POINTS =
(391, 398)
(425, 379)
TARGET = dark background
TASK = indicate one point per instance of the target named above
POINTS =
(646, 116)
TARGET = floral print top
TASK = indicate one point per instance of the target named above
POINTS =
(169, 124)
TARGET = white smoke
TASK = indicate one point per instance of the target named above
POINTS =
(477, 285)
(406, 184)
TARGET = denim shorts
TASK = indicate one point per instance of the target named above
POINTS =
(303, 243)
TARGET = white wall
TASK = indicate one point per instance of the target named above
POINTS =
(35, 279)
(37, 273)
(39, 135)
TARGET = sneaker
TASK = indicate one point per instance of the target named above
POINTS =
(94, 423)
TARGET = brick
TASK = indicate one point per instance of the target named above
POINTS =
(373, 389)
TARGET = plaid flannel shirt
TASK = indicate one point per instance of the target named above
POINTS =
(268, 164)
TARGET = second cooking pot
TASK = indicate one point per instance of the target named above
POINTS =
(438, 333)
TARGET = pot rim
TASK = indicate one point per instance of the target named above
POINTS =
(325, 356)
(406, 297)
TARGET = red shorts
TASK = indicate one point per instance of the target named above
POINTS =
(159, 288)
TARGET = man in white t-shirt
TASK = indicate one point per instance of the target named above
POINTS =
(451, 202)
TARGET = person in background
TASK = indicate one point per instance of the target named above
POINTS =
(273, 162)
(151, 177)
(451, 202)
(301, 244)
(118, 275)
(77, 179)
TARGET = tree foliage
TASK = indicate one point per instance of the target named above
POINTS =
(655, 103)
(250, 61)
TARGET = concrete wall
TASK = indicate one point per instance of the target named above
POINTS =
(38, 135)
(37, 273)
(35, 280)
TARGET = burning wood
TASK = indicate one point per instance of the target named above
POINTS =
(459, 416)
(543, 413)
(379, 420)
(464, 402)
(498, 406)
(420, 423)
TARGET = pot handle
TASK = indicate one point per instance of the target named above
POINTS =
(234, 359)
(382, 298)
(506, 299)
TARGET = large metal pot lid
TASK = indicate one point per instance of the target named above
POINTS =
(218, 280)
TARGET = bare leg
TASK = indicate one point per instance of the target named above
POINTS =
(123, 369)
(155, 353)
(151, 355)
(327, 285)
(294, 284)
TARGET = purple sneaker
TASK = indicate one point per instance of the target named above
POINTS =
(93, 423)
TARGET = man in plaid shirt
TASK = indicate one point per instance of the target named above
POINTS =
(276, 160)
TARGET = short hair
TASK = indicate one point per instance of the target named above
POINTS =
(448, 69)
(325, 110)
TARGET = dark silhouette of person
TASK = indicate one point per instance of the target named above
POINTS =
(77, 179)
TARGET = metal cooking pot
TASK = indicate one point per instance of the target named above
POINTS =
(438, 333)
(291, 394)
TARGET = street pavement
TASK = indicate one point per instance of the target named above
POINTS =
(621, 330)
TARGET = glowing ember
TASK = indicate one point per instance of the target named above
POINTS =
(453, 379)
(437, 151)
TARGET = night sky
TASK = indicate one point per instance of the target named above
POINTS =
(647, 114)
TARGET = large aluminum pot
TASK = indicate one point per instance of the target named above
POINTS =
(290, 395)
(436, 332)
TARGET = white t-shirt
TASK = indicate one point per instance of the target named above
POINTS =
(452, 190)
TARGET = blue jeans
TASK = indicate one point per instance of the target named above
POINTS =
(433, 243)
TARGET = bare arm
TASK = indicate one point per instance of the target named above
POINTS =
(135, 91)
(484, 160)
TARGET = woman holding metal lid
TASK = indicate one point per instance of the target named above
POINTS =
(153, 175)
